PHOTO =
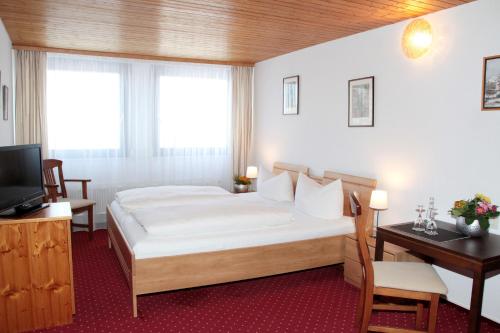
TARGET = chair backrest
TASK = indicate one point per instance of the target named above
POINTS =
(50, 178)
(366, 262)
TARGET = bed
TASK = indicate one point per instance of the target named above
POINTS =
(162, 264)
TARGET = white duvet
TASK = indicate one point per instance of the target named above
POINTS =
(149, 197)
(205, 217)
(196, 210)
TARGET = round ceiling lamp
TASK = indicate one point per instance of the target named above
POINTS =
(417, 38)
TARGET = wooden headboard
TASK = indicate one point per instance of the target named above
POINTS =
(293, 169)
(364, 187)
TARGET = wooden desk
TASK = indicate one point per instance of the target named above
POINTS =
(478, 258)
(36, 270)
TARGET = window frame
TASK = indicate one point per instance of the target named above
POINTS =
(160, 151)
(123, 72)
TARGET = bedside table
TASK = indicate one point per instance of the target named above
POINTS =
(352, 266)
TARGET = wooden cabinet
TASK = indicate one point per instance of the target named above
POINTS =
(352, 265)
(36, 270)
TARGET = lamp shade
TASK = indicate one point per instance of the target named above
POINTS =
(378, 200)
(252, 172)
(417, 38)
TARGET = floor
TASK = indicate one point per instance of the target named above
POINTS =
(311, 301)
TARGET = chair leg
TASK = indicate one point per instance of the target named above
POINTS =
(420, 315)
(433, 312)
(90, 213)
(361, 303)
(367, 311)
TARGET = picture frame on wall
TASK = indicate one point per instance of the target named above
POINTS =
(1, 94)
(5, 102)
(291, 95)
(361, 102)
(490, 99)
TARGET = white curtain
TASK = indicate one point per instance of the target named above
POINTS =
(30, 119)
(128, 123)
(242, 79)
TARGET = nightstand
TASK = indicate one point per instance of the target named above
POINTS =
(352, 266)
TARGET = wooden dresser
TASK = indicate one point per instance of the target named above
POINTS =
(36, 270)
(352, 266)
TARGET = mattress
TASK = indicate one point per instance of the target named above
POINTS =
(302, 227)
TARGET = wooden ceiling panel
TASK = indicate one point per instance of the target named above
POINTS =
(226, 31)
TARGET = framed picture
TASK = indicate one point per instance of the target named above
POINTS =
(1, 95)
(291, 95)
(361, 102)
(490, 100)
(5, 102)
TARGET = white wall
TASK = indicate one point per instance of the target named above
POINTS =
(6, 127)
(430, 137)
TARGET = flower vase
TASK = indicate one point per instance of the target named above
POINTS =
(240, 188)
(471, 230)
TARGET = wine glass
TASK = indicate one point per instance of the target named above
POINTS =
(419, 225)
(431, 227)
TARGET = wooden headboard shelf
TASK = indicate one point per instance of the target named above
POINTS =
(293, 169)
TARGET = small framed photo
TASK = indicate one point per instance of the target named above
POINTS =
(5, 102)
(361, 102)
(1, 96)
(291, 95)
(491, 84)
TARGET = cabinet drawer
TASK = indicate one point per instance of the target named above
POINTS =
(352, 272)
(351, 251)
(387, 256)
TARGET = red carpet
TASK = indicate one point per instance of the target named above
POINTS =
(312, 301)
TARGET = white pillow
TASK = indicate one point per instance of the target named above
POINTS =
(278, 188)
(326, 202)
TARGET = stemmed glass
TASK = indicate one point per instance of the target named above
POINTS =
(419, 224)
(431, 227)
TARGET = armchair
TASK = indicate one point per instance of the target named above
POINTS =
(78, 206)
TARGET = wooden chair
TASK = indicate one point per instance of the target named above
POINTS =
(78, 206)
(408, 280)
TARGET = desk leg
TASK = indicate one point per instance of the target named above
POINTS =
(379, 248)
(476, 302)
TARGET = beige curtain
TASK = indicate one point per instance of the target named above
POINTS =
(242, 79)
(31, 115)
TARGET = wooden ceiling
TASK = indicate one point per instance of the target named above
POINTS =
(226, 31)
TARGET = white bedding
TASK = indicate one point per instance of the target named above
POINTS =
(301, 227)
(139, 198)
(200, 217)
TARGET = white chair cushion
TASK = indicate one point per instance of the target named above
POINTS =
(77, 203)
(325, 202)
(413, 276)
(278, 188)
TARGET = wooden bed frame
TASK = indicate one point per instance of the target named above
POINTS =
(153, 275)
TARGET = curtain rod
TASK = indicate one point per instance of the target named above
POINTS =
(129, 55)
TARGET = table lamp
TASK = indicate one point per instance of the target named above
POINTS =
(252, 173)
(378, 202)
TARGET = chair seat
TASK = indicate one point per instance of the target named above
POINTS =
(77, 203)
(412, 276)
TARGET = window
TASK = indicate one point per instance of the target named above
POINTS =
(193, 113)
(130, 123)
(84, 110)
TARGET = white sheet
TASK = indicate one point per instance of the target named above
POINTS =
(301, 228)
(200, 217)
(145, 197)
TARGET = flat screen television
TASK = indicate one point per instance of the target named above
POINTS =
(21, 183)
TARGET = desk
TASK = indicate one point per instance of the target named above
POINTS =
(478, 258)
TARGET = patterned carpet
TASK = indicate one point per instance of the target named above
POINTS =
(312, 301)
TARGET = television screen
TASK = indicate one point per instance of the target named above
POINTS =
(20, 175)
